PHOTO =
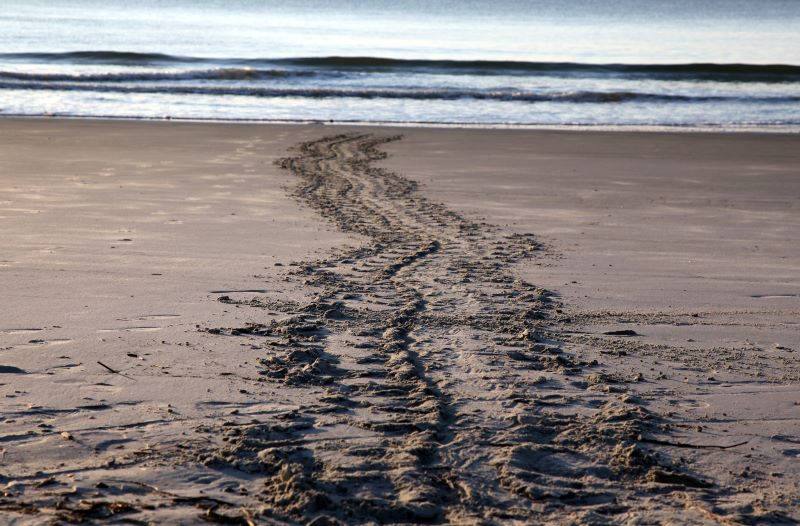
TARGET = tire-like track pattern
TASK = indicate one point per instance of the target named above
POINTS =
(446, 397)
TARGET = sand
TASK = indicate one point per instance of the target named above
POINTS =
(268, 324)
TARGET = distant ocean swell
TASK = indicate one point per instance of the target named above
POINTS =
(695, 71)
(379, 93)
(132, 76)
(375, 89)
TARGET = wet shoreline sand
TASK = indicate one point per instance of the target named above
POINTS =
(202, 320)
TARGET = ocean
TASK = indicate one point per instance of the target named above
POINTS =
(718, 64)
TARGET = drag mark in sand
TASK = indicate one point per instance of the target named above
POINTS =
(446, 396)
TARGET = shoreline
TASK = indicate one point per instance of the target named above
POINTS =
(610, 128)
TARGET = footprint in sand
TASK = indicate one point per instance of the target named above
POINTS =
(64, 366)
(116, 443)
(21, 331)
(773, 296)
(695, 405)
(150, 317)
(57, 341)
(131, 329)
(239, 291)
(102, 387)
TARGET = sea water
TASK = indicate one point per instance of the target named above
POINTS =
(689, 63)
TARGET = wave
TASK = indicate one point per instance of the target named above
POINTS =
(447, 94)
(690, 71)
(100, 57)
(245, 73)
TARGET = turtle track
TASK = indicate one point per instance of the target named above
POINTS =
(423, 339)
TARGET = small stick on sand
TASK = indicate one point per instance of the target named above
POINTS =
(115, 372)
(248, 517)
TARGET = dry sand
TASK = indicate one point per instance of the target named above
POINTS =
(199, 323)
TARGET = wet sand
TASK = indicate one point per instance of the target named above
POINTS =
(279, 324)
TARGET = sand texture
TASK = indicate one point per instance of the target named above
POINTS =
(255, 324)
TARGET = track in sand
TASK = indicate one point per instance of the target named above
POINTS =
(447, 395)
(413, 378)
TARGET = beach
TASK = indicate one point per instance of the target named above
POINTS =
(314, 324)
